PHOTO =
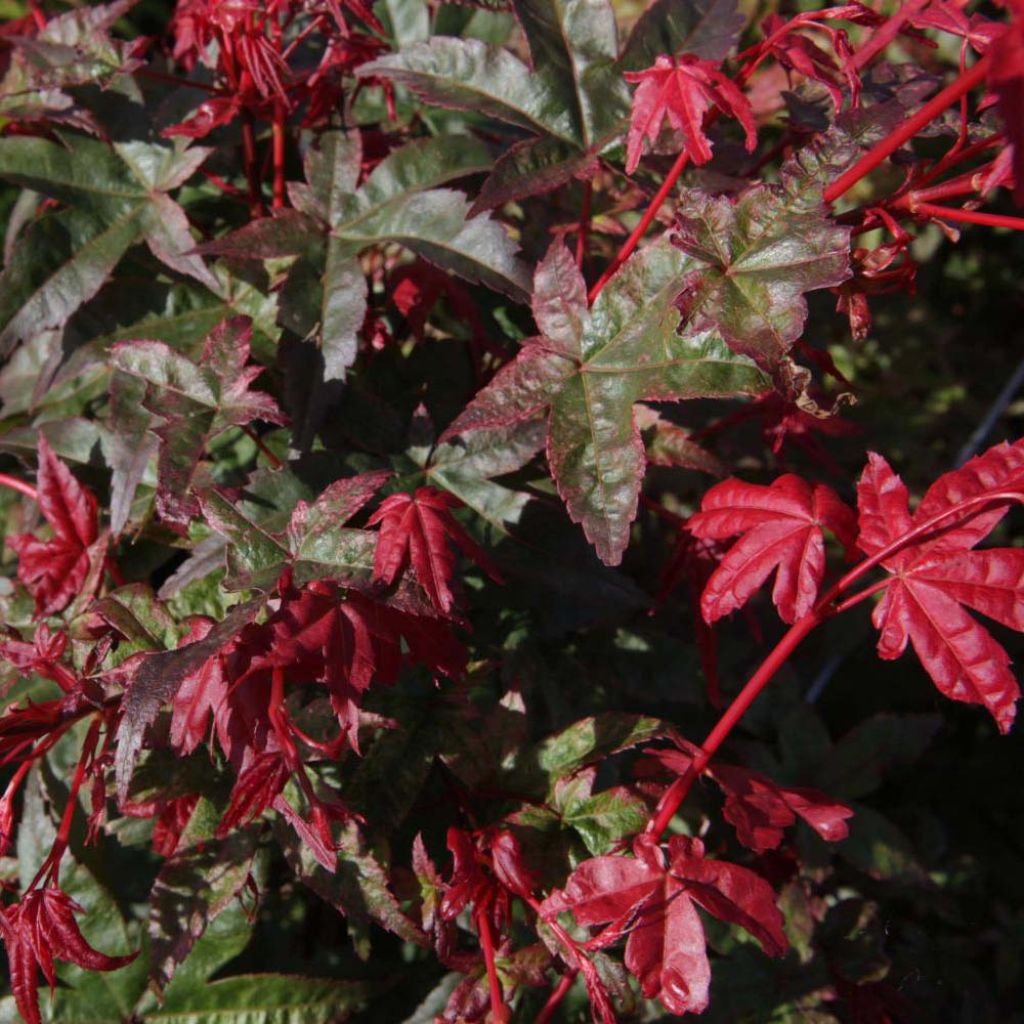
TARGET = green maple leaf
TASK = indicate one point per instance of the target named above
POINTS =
(571, 98)
(588, 368)
(324, 297)
(572, 102)
(705, 28)
(191, 402)
(116, 195)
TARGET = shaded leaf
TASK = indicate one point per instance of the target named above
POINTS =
(121, 195)
(155, 679)
(193, 402)
(359, 889)
(667, 444)
(194, 886)
(276, 998)
(704, 28)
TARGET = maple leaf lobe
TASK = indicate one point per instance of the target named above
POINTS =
(56, 570)
(781, 527)
(681, 90)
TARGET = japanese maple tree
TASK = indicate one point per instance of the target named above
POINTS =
(407, 409)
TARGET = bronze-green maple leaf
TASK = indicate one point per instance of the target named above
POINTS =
(588, 367)
(755, 256)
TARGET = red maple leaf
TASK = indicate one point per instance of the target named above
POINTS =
(201, 693)
(799, 53)
(683, 89)
(416, 288)
(170, 822)
(650, 898)
(41, 657)
(347, 641)
(318, 634)
(1006, 80)
(488, 869)
(934, 577)
(782, 530)
(951, 16)
(39, 929)
(759, 809)
(419, 530)
(255, 789)
(56, 570)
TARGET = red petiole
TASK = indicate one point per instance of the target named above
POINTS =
(499, 1012)
(992, 220)
(50, 867)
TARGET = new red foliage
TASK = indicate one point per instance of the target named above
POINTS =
(56, 570)
(649, 899)
(935, 574)
(782, 533)
(419, 530)
(39, 929)
(683, 89)
(759, 808)
(291, 680)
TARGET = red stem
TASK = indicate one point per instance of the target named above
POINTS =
(645, 222)
(886, 33)
(862, 595)
(875, 156)
(992, 220)
(962, 185)
(51, 865)
(825, 608)
(258, 441)
(498, 1009)
(252, 172)
(278, 131)
(278, 716)
(557, 995)
(20, 486)
(907, 130)
(957, 156)
(37, 15)
(676, 793)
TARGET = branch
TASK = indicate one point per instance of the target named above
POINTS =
(14, 484)
(907, 130)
